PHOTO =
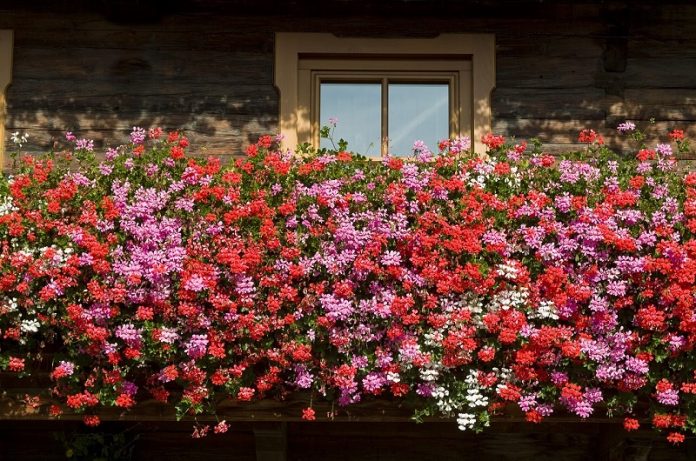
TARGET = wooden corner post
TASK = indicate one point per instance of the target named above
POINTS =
(6, 42)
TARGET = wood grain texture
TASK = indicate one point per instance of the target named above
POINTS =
(209, 70)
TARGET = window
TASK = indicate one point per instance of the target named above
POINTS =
(386, 93)
(384, 104)
(5, 79)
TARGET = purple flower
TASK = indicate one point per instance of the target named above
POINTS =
(374, 381)
(151, 169)
(583, 409)
(245, 286)
(460, 144)
(425, 389)
(559, 378)
(668, 397)
(359, 361)
(335, 308)
(105, 169)
(593, 395)
(527, 402)
(184, 204)
(665, 150)
(391, 258)
(609, 372)
(616, 288)
(195, 283)
(423, 153)
(110, 154)
(129, 388)
(636, 365)
(196, 347)
(67, 368)
(303, 378)
(598, 304)
(130, 334)
(676, 342)
(85, 259)
(168, 335)
(85, 144)
(137, 136)
(626, 127)
(545, 409)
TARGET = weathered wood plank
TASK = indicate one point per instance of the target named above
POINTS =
(134, 66)
(209, 123)
(31, 95)
(192, 29)
(649, 47)
(174, 33)
(678, 105)
(570, 104)
(654, 72)
(344, 441)
(558, 73)
(524, 43)
(673, 22)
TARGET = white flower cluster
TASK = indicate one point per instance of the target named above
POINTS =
(507, 270)
(475, 398)
(433, 339)
(481, 174)
(19, 139)
(30, 326)
(508, 299)
(504, 374)
(469, 402)
(429, 375)
(466, 421)
(443, 401)
(472, 378)
(476, 305)
(545, 310)
(511, 180)
(6, 205)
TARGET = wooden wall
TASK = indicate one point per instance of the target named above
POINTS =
(38, 441)
(207, 68)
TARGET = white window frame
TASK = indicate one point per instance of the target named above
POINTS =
(295, 53)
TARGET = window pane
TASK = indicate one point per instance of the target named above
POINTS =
(357, 106)
(417, 111)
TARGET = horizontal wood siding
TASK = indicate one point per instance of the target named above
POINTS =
(560, 68)
(34, 441)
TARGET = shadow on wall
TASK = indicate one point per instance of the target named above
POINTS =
(557, 116)
(103, 79)
(212, 75)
